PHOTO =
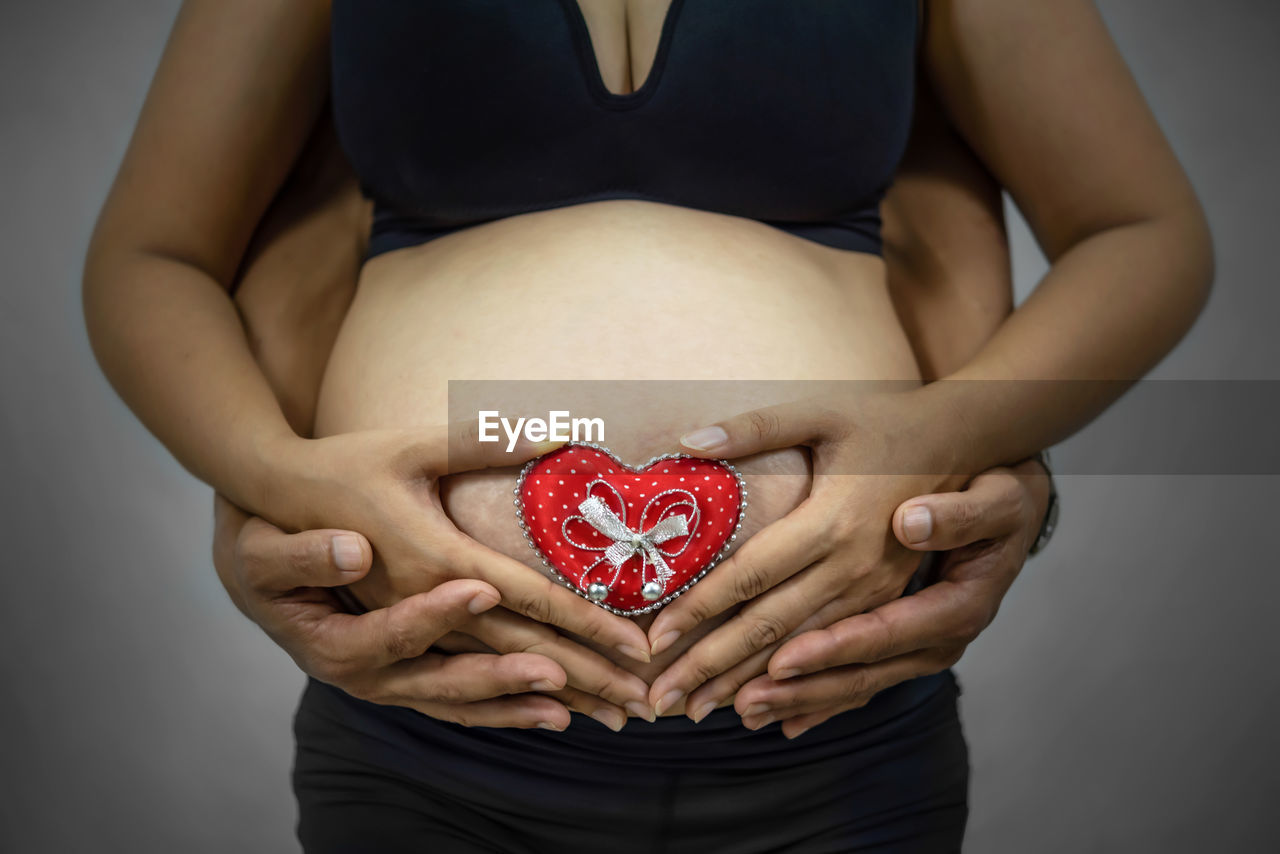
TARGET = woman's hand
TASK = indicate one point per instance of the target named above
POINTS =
(384, 483)
(282, 582)
(833, 556)
(984, 534)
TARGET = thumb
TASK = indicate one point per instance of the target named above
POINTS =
(768, 428)
(988, 509)
(271, 561)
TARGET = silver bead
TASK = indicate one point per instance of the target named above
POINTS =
(652, 590)
(597, 592)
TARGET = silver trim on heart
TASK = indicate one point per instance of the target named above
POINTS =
(566, 582)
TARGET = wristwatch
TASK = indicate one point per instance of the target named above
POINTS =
(1050, 522)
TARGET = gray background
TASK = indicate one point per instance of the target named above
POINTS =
(1124, 700)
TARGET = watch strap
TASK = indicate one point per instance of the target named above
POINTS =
(1050, 523)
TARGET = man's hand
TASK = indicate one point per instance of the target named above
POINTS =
(832, 555)
(282, 582)
(985, 531)
(983, 534)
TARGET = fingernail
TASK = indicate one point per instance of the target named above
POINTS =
(641, 710)
(481, 602)
(755, 709)
(705, 439)
(347, 554)
(786, 673)
(703, 711)
(668, 700)
(665, 642)
(799, 733)
(632, 652)
(613, 720)
(917, 524)
(541, 448)
(759, 723)
(549, 725)
(544, 685)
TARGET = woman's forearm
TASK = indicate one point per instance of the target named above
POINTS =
(1041, 93)
(171, 343)
(238, 90)
(1109, 309)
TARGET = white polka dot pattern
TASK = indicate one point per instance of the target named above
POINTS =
(633, 576)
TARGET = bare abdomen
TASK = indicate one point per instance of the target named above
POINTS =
(693, 303)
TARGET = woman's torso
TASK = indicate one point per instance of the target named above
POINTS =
(613, 290)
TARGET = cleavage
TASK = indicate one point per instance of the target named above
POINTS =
(625, 35)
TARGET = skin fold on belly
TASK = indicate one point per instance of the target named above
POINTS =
(690, 303)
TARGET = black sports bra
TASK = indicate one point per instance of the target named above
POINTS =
(794, 113)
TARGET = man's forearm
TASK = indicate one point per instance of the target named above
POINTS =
(945, 245)
(300, 275)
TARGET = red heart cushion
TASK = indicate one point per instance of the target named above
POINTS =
(629, 539)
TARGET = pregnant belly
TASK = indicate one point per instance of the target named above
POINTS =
(654, 319)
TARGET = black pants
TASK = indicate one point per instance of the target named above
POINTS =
(889, 777)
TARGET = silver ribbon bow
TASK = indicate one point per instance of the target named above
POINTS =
(627, 543)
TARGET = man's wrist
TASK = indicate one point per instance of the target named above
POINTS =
(228, 521)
